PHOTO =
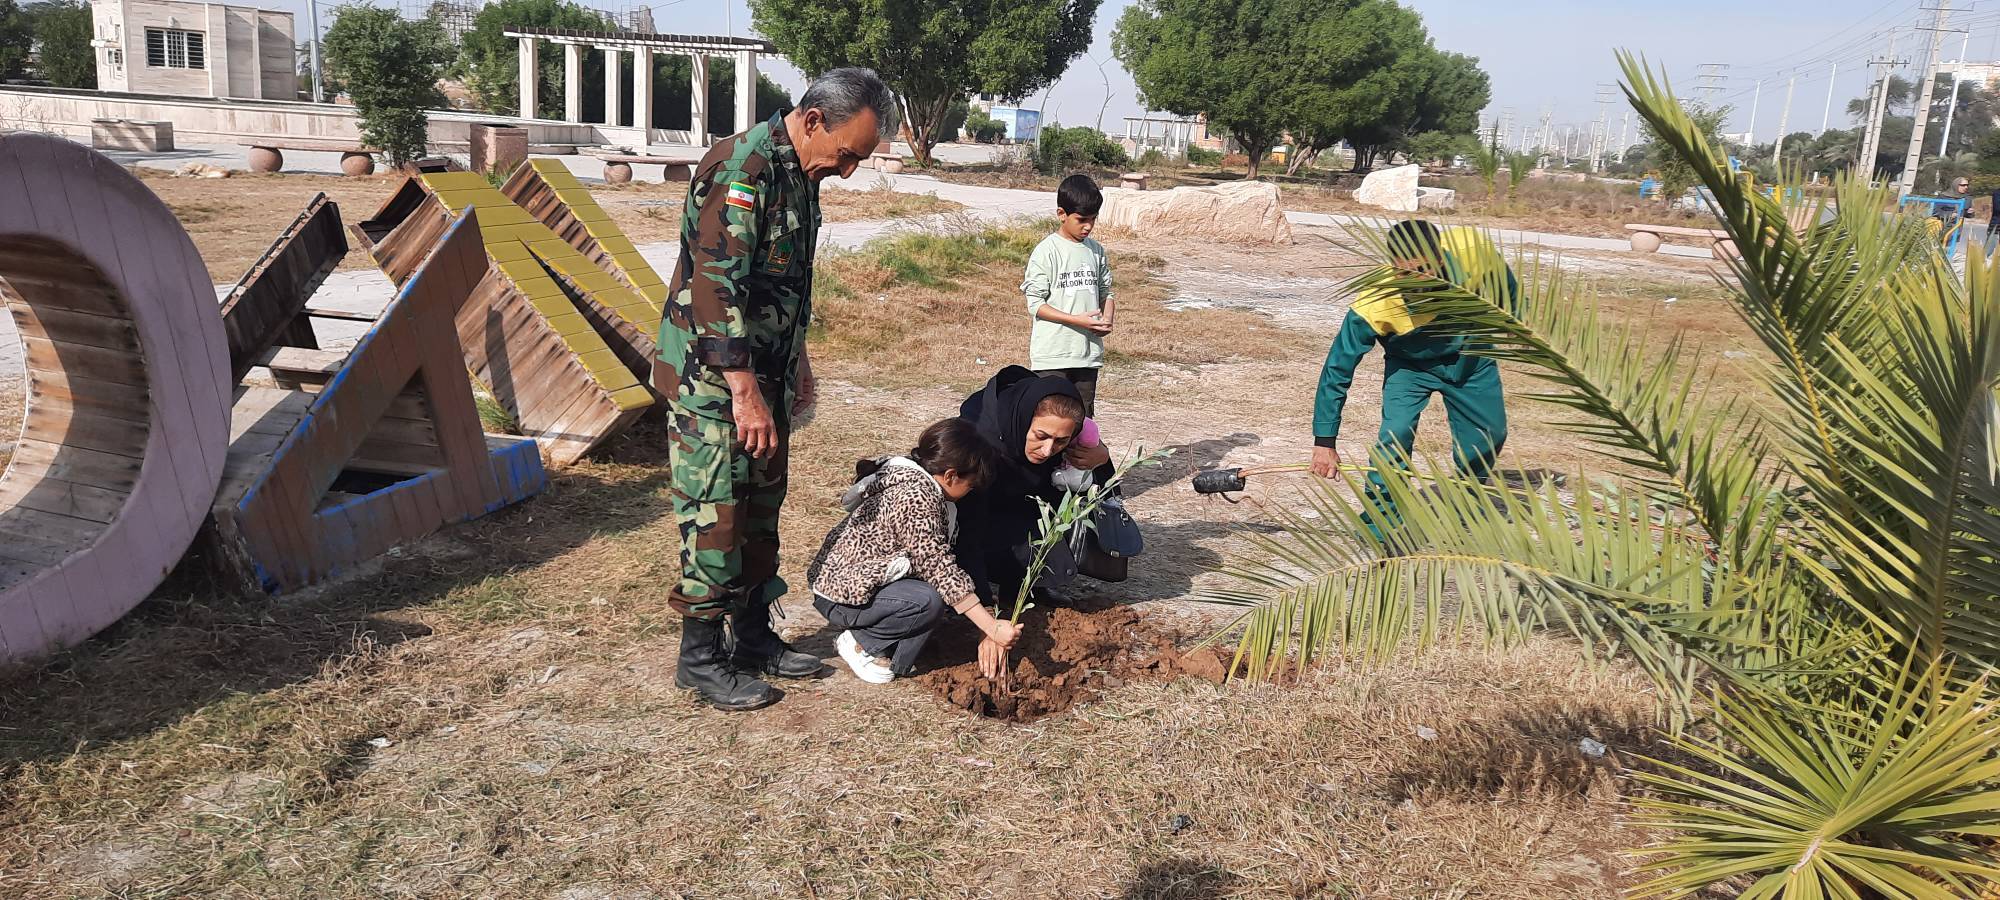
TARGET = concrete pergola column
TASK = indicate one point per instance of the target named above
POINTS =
(572, 83)
(642, 92)
(746, 90)
(698, 102)
(613, 97)
(526, 48)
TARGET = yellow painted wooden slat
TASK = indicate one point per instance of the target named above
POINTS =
(552, 306)
(448, 181)
(634, 397)
(505, 251)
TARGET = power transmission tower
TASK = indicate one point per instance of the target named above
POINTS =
(1923, 110)
(1625, 136)
(1709, 81)
(1599, 132)
(1547, 114)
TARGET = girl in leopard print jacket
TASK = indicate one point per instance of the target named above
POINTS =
(885, 574)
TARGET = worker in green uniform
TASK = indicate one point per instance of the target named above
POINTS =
(733, 368)
(1416, 363)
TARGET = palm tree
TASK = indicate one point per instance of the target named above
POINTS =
(1809, 571)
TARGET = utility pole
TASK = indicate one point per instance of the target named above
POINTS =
(1756, 97)
(1826, 117)
(1951, 106)
(312, 17)
(1871, 139)
(1784, 121)
(1923, 110)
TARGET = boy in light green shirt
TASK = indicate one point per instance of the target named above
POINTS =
(1068, 287)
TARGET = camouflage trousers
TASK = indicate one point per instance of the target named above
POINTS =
(726, 503)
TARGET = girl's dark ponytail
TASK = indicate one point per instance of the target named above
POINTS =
(956, 445)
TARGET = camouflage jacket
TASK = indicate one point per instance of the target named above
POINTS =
(741, 295)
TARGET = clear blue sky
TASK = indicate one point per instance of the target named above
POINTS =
(1545, 53)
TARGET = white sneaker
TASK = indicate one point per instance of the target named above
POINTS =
(867, 668)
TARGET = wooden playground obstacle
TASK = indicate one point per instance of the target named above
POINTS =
(559, 355)
(356, 452)
(264, 307)
(550, 193)
(123, 440)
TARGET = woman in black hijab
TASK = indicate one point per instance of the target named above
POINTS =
(1032, 419)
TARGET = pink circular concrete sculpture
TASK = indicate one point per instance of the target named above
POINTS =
(266, 159)
(1645, 242)
(617, 173)
(357, 163)
(127, 420)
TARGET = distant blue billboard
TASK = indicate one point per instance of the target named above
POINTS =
(1023, 125)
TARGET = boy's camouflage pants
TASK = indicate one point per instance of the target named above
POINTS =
(727, 505)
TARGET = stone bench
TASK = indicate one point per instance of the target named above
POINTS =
(1134, 180)
(888, 163)
(618, 167)
(132, 134)
(269, 156)
(1647, 238)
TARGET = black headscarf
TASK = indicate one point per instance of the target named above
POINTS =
(1004, 410)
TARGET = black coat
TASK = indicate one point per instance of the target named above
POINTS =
(997, 522)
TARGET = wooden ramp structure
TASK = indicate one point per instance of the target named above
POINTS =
(352, 453)
(127, 420)
(550, 334)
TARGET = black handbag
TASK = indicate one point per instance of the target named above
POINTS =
(1108, 545)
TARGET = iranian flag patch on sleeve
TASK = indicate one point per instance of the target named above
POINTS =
(741, 196)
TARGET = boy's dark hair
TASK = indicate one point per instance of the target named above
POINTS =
(1414, 239)
(955, 444)
(1078, 195)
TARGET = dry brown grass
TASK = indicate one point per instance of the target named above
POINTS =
(650, 212)
(233, 220)
(490, 713)
(1591, 209)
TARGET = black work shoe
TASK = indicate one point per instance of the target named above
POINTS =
(759, 649)
(705, 668)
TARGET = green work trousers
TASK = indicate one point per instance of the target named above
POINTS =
(1473, 401)
(726, 503)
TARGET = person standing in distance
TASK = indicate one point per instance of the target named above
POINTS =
(733, 368)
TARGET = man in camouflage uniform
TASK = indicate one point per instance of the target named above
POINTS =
(733, 368)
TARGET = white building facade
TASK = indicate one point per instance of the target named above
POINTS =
(193, 49)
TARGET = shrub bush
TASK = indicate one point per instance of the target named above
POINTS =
(1202, 156)
(1067, 149)
(984, 128)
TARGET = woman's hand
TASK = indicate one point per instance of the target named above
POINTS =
(1004, 633)
(1087, 458)
(993, 661)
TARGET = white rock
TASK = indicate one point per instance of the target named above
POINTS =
(1237, 212)
(1392, 189)
(1436, 198)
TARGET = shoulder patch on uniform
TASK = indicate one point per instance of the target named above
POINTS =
(741, 195)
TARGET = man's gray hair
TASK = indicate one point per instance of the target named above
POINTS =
(843, 93)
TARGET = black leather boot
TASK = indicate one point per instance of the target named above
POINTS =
(759, 649)
(705, 669)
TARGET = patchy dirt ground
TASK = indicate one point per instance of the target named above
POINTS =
(490, 713)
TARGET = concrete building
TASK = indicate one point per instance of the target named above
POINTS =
(192, 49)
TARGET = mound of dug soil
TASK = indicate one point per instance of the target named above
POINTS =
(1064, 658)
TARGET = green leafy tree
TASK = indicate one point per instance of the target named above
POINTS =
(984, 128)
(1677, 174)
(1441, 92)
(1441, 146)
(1487, 159)
(1080, 148)
(933, 52)
(673, 81)
(1810, 561)
(490, 62)
(1346, 80)
(1229, 60)
(390, 67)
(62, 38)
(17, 36)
